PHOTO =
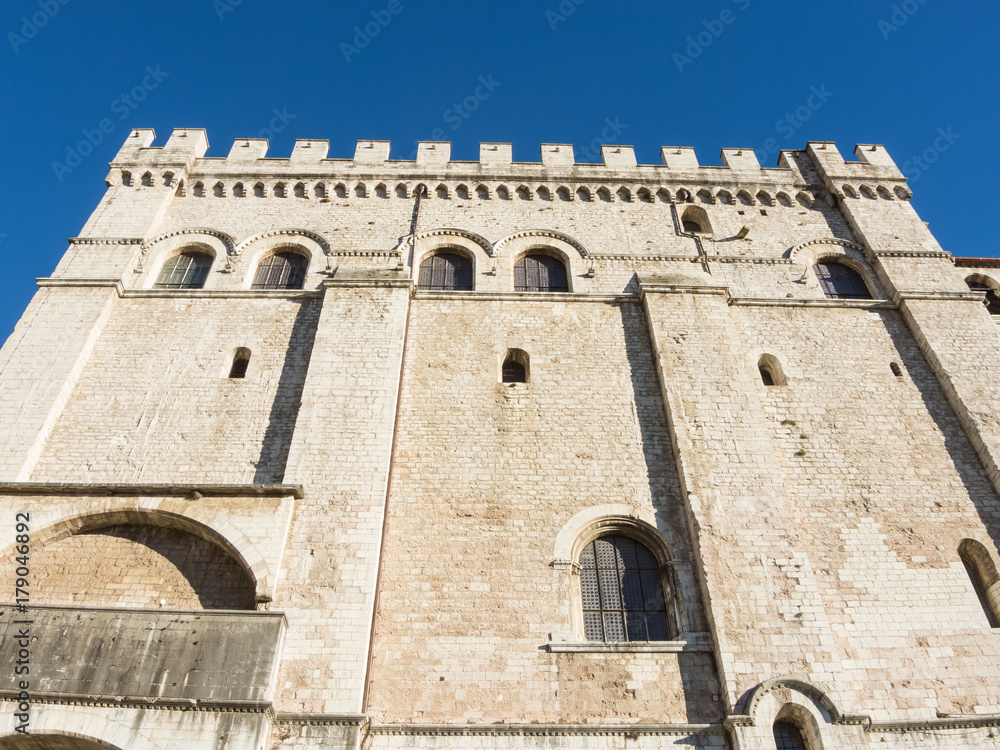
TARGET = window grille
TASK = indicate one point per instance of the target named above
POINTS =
(446, 272)
(184, 271)
(840, 282)
(788, 737)
(622, 592)
(540, 273)
(281, 271)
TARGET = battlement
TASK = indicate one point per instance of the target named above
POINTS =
(187, 146)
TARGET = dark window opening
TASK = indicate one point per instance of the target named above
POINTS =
(622, 592)
(992, 301)
(788, 737)
(540, 273)
(840, 282)
(241, 361)
(184, 271)
(692, 227)
(281, 271)
(896, 370)
(445, 272)
(977, 584)
(766, 376)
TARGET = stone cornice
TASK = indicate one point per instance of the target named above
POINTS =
(525, 297)
(301, 719)
(101, 489)
(221, 293)
(547, 730)
(904, 295)
(157, 704)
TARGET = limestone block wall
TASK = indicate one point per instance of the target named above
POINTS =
(418, 522)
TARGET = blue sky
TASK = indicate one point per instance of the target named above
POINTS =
(702, 73)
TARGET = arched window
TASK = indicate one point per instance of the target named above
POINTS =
(446, 272)
(189, 270)
(622, 592)
(770, 370)
(787, 736)
(982, 574)
(241, 361)
(283, 270)
(540, 273)
(992, 301)
(840, 282)
(515, 367)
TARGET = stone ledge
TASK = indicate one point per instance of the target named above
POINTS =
(525, 296)
(664, 647)
(159, 704)
(547, 729)
(223, 293)
(131, 490)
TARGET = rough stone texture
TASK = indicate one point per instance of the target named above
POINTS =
(136, 566)
(809, 532)
(227, 657)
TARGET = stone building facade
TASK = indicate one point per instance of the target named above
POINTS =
(335, 453)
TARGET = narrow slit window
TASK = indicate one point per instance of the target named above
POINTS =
(896, 370)
(766, 377)
(241, 361)
(515, 367)
(980, 589)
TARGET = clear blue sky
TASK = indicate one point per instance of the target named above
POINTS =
(891, 72)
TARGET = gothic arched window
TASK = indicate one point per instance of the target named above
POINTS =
(622, 592)
(446, 272)
(841, 282)
(284, 270)
(540, 273)
(189, 270)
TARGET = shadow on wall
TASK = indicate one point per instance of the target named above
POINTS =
(52, 742)
(699, 674)
(139, 567)
(288, 396)
(968, 466)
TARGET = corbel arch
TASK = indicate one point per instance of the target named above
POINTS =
(171, 513)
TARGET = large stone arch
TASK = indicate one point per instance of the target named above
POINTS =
(170, 513)
(90, 728)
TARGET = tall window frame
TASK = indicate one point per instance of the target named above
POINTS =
(624, 596)
(446, 270)
(282, 269)
(188, 269)
(540, 271)
(841, 281)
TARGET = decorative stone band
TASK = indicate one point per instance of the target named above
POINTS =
(548, 730)
(194, 491)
